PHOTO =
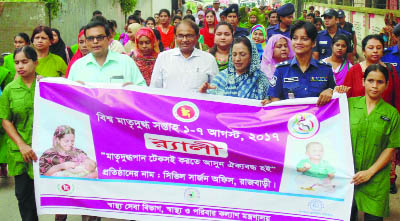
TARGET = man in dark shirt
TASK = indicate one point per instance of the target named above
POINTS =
(232, 17)
(347, 26)
(285, 17)
(323, 43)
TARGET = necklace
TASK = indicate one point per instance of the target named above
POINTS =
(222, 61)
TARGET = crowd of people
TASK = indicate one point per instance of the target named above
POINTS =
(260, 53)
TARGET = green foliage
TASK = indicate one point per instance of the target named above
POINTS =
(127, 6)
(289, 1)
(53, 5)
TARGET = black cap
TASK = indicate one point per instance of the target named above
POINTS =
(285, 10)
(341, 13)
(234, 8)
(396, 30)
(330, 12)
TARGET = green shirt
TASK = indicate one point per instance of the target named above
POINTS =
(16, 105)
(371, 135)
(320, 170)
(4, 73)
(9, 64)
(51, 66)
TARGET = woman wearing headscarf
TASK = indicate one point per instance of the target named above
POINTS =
(253, 19)
(278, 49)
(258, 36)
(243, 18)
(81, 52)
(146, 52)
(132, 29)
(210, 23)
(58, 47)
(200, 18)
(243, 77)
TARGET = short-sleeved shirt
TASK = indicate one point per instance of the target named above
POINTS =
(9, 65)
(323, 43)
(118, 68)
(272, 30)
(240, 32)
(392, 55)
(16, 105)
(288, 78)
(51, 66)
(371, 135)
(175, 72)
(167, 39)
(321, 170)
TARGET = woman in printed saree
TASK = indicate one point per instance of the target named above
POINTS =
(338, 59)
(65, 160)
(243, 77)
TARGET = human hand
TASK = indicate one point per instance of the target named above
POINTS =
(39, 77)
(203, 89)
(341, 89)
(265, 102)
(27, 153)
(324, 97)
(361, 177)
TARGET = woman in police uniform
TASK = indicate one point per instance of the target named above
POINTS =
(16, 112)
(302, 76)
(375, 132)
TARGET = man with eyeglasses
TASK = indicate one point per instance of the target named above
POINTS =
(184, 68)
(103, 65)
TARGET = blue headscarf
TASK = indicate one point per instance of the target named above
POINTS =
(252, 84)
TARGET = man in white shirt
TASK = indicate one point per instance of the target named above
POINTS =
(184, 68)
(216, 9)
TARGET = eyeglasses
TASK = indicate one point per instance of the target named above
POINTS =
(188, 37)
(98, 38)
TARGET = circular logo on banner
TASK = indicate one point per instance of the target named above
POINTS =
(316, 205)
(66, 188)
(186, 111)
(303, 125)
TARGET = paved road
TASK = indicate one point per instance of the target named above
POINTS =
(9, 207)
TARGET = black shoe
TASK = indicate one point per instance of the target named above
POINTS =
(393, 188)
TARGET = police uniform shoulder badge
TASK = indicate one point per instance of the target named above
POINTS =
(283, 63)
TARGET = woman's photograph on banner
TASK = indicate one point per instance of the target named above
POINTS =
(67, 148)
(63, 159)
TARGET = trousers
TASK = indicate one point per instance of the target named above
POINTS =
(25, 193)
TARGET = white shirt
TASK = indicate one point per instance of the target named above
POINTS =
(217, 13)
(175, 72)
